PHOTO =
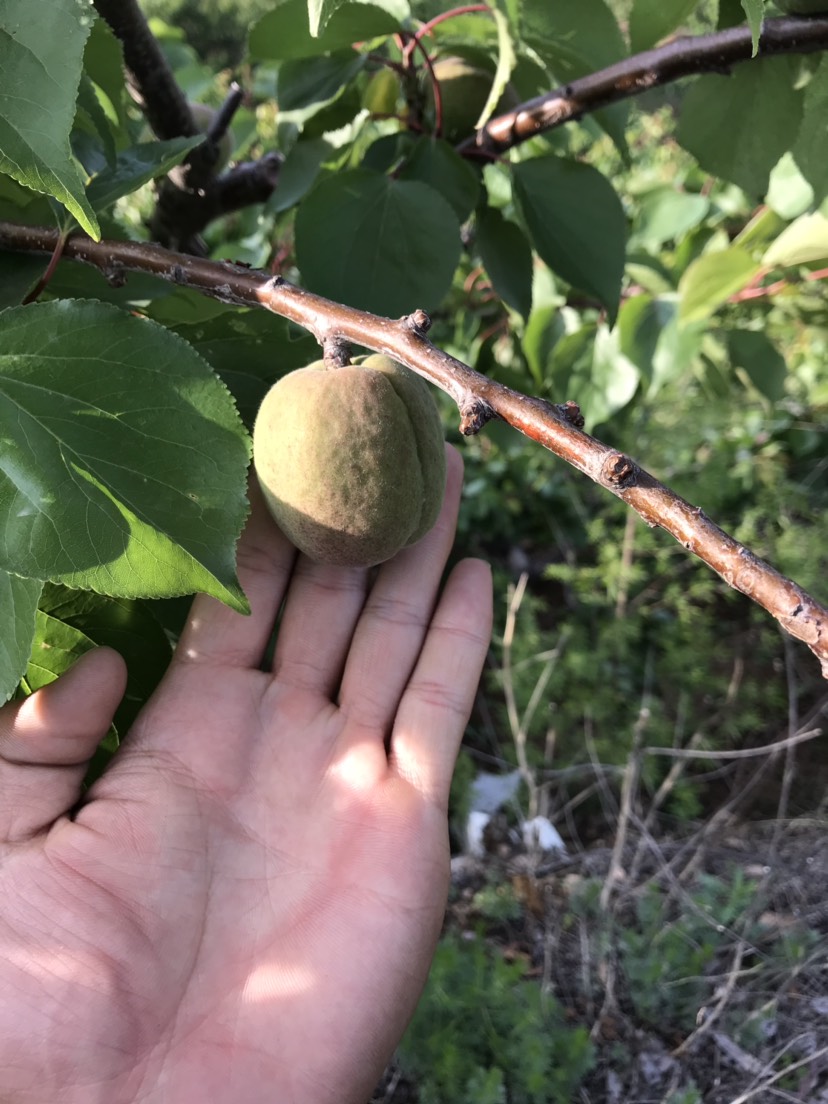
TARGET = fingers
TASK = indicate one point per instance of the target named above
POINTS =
(318, 622)
(216, 634)
(438, 700)
(393, 625)
(47, 740)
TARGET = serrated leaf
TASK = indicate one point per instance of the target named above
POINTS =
(123, 459)
(135, 167)
(710, 281)
(18, 607)
(811, 149)
(755, 12)
(805, 240)
(319, 13)
(738, 127)
(384, 245)
(250, 350)
(507, 258)
(506, 61)
(652, 20)
(285, 32)
(576, 223)
(41, 56)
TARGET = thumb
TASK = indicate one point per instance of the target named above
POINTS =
(47, 740)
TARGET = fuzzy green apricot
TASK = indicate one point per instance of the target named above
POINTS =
(351, 460)
(464, 91)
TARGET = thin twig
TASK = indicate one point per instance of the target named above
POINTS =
(742, 753)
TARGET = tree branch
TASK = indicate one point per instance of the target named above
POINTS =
(683, 57)
(191, 196)
(556, 427)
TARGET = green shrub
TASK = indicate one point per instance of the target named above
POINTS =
(484, 1034)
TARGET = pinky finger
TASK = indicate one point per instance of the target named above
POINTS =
(437, 702)
(47, 740)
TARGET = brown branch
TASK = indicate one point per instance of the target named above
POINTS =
(191, 196)
(683, 57)
(556, 427)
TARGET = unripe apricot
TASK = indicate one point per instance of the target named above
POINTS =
(351, 460)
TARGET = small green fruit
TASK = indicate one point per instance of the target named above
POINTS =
(351, 460)
(382, 93)
(464, 91)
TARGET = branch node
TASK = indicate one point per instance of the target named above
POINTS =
(178, 275)
(571, 412)
(336, 351)
(115, 275)
(619, 471)
(277, 281)
(474, 413)
(418, 322)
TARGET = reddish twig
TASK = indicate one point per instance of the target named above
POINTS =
(49, 272)
(775, 288)
(554, 426)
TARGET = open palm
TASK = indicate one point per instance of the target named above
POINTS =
(245, 906)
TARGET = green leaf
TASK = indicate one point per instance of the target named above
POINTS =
(435, 162)
(285, 31)
(811, 148)
(137, 166)
(761, 361)
(574, 38)
(250, 350)
(128, 626)
(308, 84)
(652, 20)
(104, 63)
(41, 54)
(92, 118)
(576, 223)
(298, 174)
(123, 457)
(710, 281)
(665, 214)
(739, 126)
(590, 367)
(18, 273)
(755, 12)
(319, 13)
(18, 607)
(506, 61)
(388, 246)
(789, 193)
(803, 241)
(55, 649)
(507, 258)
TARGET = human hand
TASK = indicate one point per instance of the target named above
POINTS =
(245, 906)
